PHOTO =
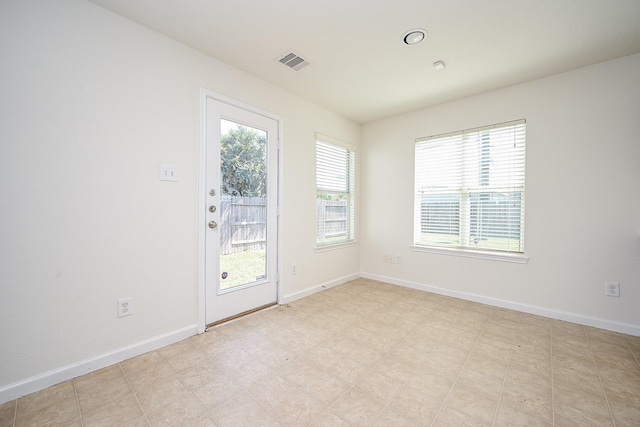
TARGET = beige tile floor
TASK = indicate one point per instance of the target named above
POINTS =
(364, 353)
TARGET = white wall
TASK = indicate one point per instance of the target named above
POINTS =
(582, 197)
(90, 105)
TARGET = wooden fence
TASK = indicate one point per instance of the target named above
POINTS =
(332, 219)
(243, 224)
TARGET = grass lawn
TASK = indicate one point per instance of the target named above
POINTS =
(242, 267)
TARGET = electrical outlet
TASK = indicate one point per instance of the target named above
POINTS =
(398, 259)
(294, 268)
(168, 173)
(612, 289)
(125, 307)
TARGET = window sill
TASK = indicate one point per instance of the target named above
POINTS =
(470, 253)
(335, 246)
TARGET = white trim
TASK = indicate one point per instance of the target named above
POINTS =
(319, 288)
(280, 216)
(470, 253)
(203, 95)
(333, 246)
(334, 141)
(65, 373)
(202, 205)
(624, 328)
(476, 129)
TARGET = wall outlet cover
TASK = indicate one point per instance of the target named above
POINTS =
(125, 307)
(612, 289)
(168, 173)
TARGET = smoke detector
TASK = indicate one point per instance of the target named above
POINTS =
(292, 60)
(439, 65)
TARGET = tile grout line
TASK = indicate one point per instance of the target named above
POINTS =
(208, 356)
(386, 405)
(444, 401)
(15, 413)
(175, 374)
(351, 386)
(302, 357)
(207, 411)
(631, 351)
(604, 391)
(504, 380)
(553, 402)
(75, 392)
(275, 372)
(144, 413)
(327, 409)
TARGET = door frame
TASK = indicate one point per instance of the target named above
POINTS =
(203, 95)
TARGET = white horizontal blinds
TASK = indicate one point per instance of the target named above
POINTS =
(335, 179)
(332, 162)
(470, 188)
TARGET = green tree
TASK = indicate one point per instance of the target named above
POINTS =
(243, 154)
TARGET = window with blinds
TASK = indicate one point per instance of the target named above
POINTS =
(335, 185)
(469, 189)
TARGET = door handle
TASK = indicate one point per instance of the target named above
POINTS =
(212, 224)
(212, 208)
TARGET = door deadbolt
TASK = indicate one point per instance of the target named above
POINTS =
(213, 224)
(212, 192)
(212, 208)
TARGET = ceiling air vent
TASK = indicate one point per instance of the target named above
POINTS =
(292, 60)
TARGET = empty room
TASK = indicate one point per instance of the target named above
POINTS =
(320, 213)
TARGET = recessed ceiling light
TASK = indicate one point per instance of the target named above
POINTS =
(414, 36)
(439, 65)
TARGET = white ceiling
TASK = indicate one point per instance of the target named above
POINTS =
(359, 66)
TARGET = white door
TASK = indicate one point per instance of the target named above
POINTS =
(241, 210)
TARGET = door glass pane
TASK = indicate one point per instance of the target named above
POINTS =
(243, 214)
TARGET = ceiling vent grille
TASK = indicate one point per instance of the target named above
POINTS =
(292, 60)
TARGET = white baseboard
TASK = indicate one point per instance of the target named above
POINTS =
(321, 287)
(525, 308)
(39, 382)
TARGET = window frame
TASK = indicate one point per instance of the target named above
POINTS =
(464, 195)
(349, 192)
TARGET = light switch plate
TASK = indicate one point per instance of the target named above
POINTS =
(168, 172)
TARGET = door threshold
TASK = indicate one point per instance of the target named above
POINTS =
(238, 316)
